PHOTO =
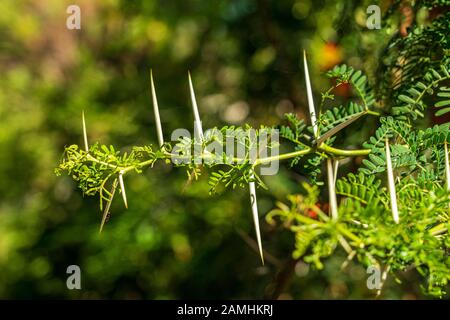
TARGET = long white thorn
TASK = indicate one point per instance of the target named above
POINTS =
(335, 167)
(122, 189)
(156, 111)
(86, 146)
(108, 205)
(312, 111)
(391, 183)
(254, 205)
(332, 190)
(198, 123)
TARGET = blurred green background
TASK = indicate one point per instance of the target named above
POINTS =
(245, 60)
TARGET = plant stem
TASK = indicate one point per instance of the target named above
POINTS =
(167, 155)
(284, 156)
(342, 152)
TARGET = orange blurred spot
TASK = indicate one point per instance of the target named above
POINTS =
(342, 90)
(313, 214)
(331, 55)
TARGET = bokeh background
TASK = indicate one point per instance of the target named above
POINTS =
(244, 57)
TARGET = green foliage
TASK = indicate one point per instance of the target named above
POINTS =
(345, 74)
(365, 189)
(424, 48)
(443, 93)
(365, 228)
(105, 162)
(295, 131)
(176, 241)
(330, 121)
(411, 104)
(92, 170)
(414, 151)
(337, 118)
